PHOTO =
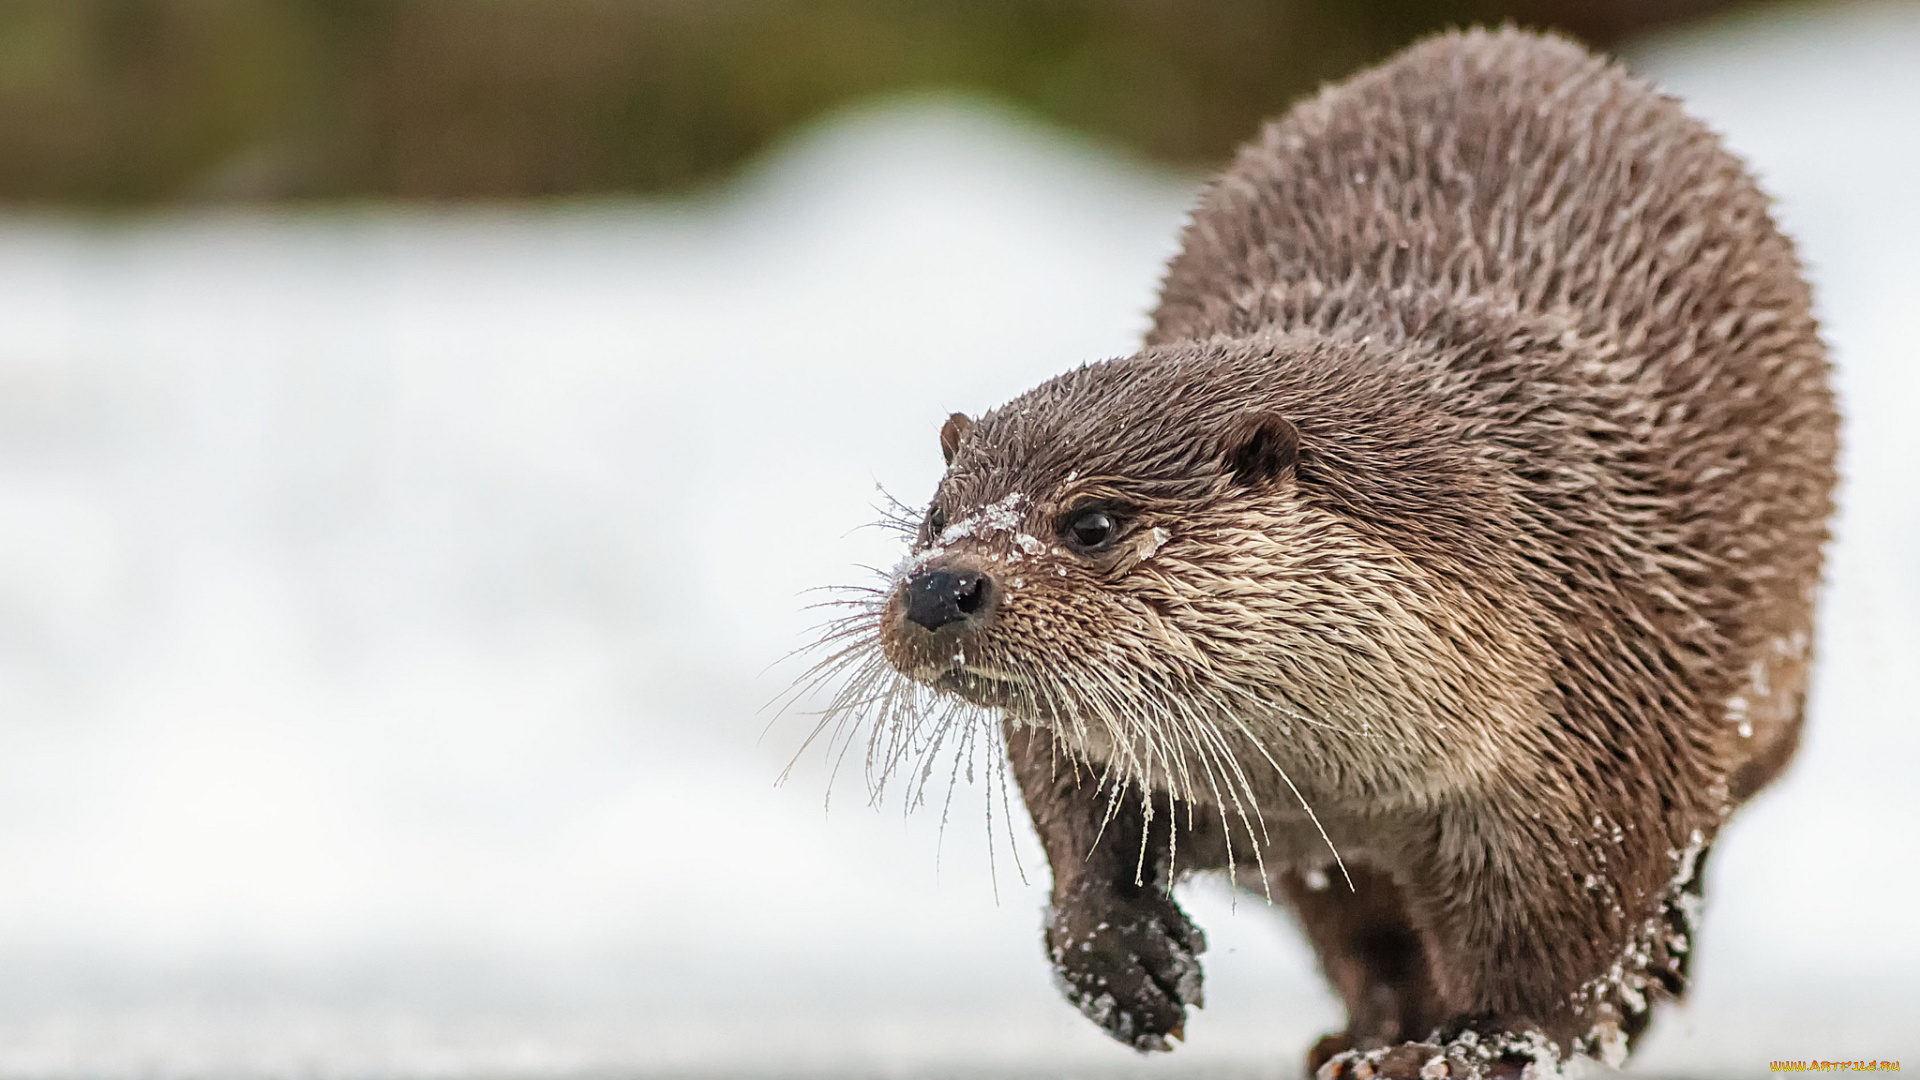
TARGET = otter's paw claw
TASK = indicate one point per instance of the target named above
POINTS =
(1131, 966)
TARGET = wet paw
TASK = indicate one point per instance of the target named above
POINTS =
(1462, 1059)
(1408, 1061)
(1131, 965)
(1329, 1047)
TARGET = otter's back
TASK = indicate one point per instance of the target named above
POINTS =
(1502, 168)
(1620, 324)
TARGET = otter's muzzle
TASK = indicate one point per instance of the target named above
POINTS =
(937, 598)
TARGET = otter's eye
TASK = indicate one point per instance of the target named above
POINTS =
(1093, 529)
(936, 521)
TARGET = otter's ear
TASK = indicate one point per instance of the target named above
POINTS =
(1262, 447)
(953, 433)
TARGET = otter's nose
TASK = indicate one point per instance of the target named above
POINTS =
(939, 598)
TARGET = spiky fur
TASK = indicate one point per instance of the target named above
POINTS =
(1526, 615)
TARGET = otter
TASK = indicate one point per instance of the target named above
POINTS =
(1442, 567)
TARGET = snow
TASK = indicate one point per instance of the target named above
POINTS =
(388, 600)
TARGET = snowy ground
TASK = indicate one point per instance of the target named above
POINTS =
(387, 601)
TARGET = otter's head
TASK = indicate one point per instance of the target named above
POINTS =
(1230, 558)
(1090, 549)
(1204, 546)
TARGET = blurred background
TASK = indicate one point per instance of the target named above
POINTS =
(421, 422)
(136, 102)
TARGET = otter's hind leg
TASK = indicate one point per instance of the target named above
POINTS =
(1371, 953)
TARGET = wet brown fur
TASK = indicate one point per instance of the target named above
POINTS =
(1474, 476)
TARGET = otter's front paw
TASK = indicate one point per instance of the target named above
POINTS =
(1130, 964)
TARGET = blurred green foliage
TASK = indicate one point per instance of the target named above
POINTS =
(136, 101)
